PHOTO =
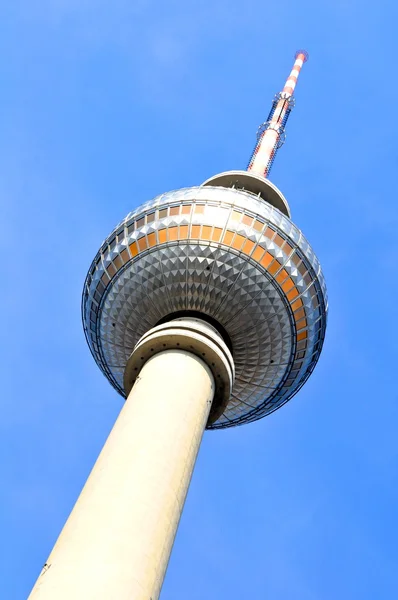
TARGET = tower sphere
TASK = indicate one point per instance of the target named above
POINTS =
(225, 251)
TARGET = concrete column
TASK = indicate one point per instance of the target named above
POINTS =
(117, 541)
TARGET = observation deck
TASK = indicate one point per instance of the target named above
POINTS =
(228, 253)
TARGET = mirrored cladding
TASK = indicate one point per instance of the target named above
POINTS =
(229, 255)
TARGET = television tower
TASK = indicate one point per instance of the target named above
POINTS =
(205, 308)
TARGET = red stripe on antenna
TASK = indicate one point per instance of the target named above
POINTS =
(303, 54)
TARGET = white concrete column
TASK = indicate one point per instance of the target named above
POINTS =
(117, 541)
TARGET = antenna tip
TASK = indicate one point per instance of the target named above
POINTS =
(303, 54)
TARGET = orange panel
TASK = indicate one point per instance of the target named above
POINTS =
(117, 262)
(301, 336)
(257, 254)
(289, 283)
(183, 232)
(296, 259)
(186, 209)
(200, 208)
(301, 324)
(278, 240)
(248, 246)
(269, 233)
(292, 294)
(258, 226)
(228, 235)
(302, 269)
(173, 234)
(216, 236)
(282, 276)
(133, 249)
(142, 244)
(206, 232)
(297, 304)
(163, 213)
(247, 220)
(299, 314)
(238, 242)
(162, 235)
(174, 210)
(195, 231)
(276, 265)
(150, 217)
(111, 270)
(287, 248)
(124, 255)
(105, 279)
(152, 239)
(267, 260)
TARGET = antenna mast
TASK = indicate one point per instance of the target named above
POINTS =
(271, 134)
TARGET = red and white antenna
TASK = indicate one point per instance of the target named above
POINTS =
(271, 134)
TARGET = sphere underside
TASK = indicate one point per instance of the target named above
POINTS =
(228, 255)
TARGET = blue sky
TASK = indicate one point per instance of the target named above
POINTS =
(103, 106)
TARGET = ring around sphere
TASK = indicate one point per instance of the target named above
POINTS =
(196, 337)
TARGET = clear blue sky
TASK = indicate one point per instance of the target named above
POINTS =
(106, 104)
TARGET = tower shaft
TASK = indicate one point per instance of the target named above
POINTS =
(271, 134)
(118, 538)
